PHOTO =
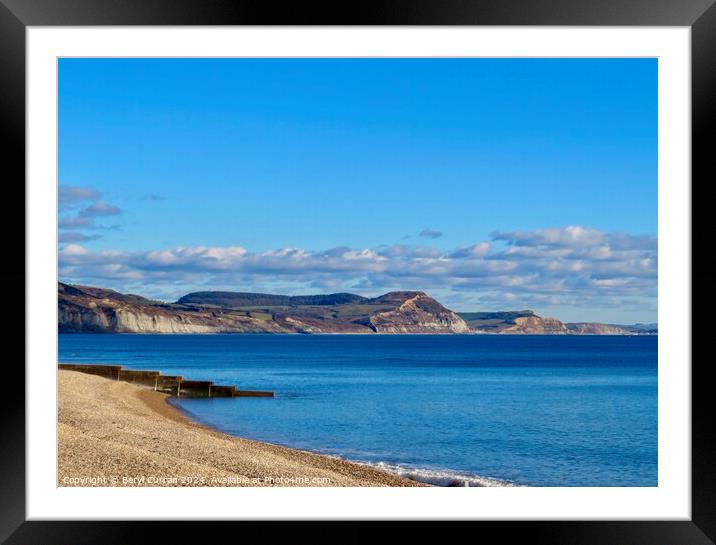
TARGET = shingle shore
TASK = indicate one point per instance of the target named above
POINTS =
(118, 434)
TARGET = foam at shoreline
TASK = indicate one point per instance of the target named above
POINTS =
(114, 433)
(434, 477)
(439, 477)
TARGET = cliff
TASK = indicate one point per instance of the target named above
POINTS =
(588, 328)
(513, 322)
(537, 325)
(416, 314)
(87, 309)
(526, 322)
(82, 309)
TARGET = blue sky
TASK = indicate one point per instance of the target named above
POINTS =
(365, 175)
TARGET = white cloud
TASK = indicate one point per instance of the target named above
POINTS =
(99, 208)
(75, 236)
(572, 235)
(430, 233)
(74, 222)
(406, 251)
(69, 195)
(476, 250)
(72, 250)
(88, 201)
(569, 266)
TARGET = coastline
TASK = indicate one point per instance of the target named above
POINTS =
(356, 333)
(114, 433)
(367, 402)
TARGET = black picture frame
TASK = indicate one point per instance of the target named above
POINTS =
(16, 15)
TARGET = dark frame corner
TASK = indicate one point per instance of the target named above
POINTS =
(700, 15)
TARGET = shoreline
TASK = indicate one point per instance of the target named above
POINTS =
(114, 433)
(418, 476)
(356, 333)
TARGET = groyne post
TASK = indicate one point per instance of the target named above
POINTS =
(170, 384)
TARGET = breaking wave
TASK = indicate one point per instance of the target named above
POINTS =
(437, 477)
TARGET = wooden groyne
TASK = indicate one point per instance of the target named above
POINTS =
(173, 385)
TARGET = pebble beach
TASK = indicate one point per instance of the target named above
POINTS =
(113, 433)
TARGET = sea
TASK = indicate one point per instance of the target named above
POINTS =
(450, 410)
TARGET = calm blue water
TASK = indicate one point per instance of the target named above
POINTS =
(529, 410)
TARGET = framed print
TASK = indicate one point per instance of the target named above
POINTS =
(426, 263)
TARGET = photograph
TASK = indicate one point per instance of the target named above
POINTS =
(417, 262)
(357, 272)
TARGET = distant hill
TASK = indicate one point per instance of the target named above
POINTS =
(102, 293)
(91, 309)
(527, 322)
(513, 322)
(645, 329)
(590, 328)
(230, 299)
(494, 322)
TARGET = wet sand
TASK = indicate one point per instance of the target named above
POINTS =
(113, 433)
